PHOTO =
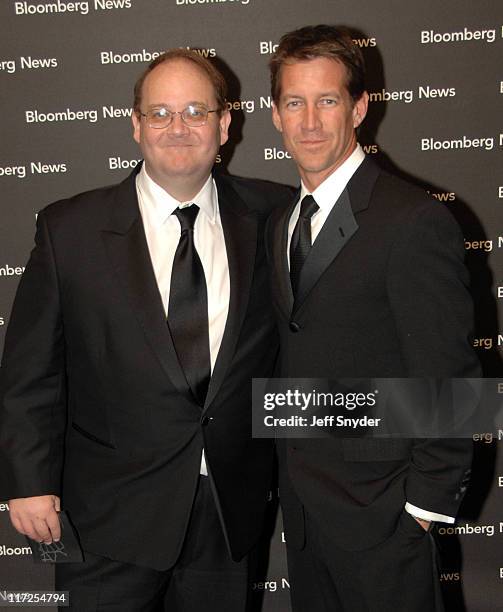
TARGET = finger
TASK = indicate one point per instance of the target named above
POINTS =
(29, 529)
(54, 525)
(57, 503)
(42, 531)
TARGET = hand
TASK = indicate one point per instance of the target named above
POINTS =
(36, 517)
(424, 524)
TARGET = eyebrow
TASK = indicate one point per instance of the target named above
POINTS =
(330, 94)
(190, 103)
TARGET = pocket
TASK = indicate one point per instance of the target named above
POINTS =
(410, 526)
(372, 449)
(92, 437)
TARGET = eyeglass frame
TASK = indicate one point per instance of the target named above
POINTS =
(172, 116)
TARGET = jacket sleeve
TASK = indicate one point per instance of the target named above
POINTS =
(433, 311)
(32, 380)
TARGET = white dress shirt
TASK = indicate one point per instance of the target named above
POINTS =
(162, 230)
(326, 195)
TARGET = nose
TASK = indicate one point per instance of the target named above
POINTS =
(177, 125)
(311, 119)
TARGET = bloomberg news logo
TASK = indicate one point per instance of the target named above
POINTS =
(14, 551)
(487, 143)
(119, 163)
(28, 63)
(267, 47)
(81, 7)
(275, 153)
(429, 37)
(111, 57)
(21, 171)
(11, 270)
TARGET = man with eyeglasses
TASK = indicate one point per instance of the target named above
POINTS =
(140, 320)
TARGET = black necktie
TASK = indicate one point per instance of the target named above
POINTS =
(300, 244)
(188, 308)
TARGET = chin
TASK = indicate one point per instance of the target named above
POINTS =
(314, 168)
(313, 162)
(182, 166)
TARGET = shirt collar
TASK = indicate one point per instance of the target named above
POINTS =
(162, 204)
(329, 191)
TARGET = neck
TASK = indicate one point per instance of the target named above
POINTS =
(312, 180)
(183, 188)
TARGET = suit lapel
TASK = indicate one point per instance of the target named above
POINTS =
(240, 233)
(126, 245)
(338, 229)
(361, 185)
(282, 281)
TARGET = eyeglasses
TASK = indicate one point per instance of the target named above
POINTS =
(195, 115)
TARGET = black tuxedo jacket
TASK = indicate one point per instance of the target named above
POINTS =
(383, 293)
(95, 406)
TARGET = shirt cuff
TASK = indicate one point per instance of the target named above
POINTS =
(425, 515)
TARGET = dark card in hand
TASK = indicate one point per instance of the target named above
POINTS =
(67, 550)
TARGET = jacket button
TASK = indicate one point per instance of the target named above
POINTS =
(204, 421)
(294, 326)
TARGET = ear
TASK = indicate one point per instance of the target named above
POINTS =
(136, 119)
(360, 109)
(276, 119)
(224, 122)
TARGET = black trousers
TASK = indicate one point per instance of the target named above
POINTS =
(203, 578)
(399, 574)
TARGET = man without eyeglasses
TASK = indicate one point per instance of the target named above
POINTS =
(368, 281)
(138, 324)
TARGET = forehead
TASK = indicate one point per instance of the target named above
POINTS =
(177, 79)
(319, 73)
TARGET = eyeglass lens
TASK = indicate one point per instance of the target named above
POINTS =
(193, 115)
